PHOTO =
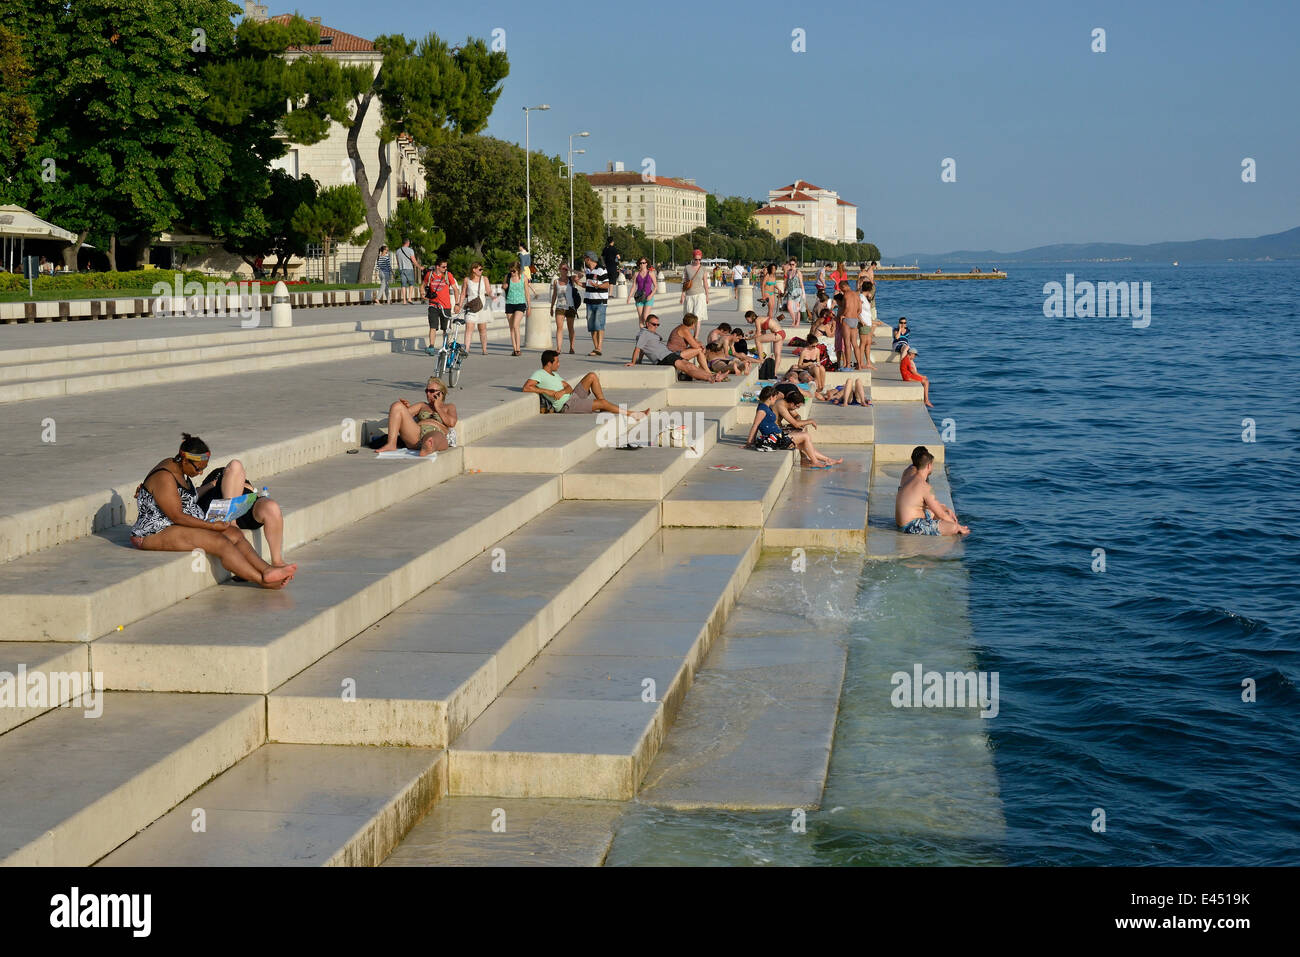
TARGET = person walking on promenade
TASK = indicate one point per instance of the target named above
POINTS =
(610, 258)
(595, 291)
(695, 287)
(643, 289)
(440, 293)
(169, 519)
(737, 274)
(820, 282)
(384, 265)
(794, 291)
(408, 267)
(516, 302)
(565, 299)
(476, 290)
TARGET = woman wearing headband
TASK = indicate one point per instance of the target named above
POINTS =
(170, 519)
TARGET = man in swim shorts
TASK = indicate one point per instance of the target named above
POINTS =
(917, 510)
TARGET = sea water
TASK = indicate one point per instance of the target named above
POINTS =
(1132, 578)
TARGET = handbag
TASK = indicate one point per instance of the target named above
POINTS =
(476, 304)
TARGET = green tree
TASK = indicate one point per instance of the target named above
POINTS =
(413, 219)
(17, 115)
(332, 217)
(277, 236)
(247, 88)
(424, 89)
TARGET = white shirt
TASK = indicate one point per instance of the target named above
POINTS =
(738, 273)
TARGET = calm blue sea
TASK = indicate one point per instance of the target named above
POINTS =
(1122, 690)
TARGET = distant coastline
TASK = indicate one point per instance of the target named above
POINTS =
(1275, 246)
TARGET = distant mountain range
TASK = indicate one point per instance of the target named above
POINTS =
(1276, 246)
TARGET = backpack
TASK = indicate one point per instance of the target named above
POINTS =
(768, 369)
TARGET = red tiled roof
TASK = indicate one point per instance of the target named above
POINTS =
(845, 202)
(632, 179)
(776, 210)
(798, 197)
(798, 185)
(340, 42)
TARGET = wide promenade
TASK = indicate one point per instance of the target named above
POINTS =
(510, 630)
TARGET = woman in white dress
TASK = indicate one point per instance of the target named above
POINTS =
(476, 287)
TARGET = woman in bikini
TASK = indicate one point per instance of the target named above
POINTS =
(170, 519)
(809, 360)
(427, 427)
(771, 326)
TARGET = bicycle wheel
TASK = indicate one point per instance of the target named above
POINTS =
(453, 373)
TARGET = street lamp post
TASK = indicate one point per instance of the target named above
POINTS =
(528, 171)
(572, 152)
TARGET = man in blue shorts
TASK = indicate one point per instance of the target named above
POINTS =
(408, 267)
(917, 510)
(596, 295)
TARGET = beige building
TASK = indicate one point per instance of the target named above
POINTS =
(825, 215)
(662, 207)
(779, 221)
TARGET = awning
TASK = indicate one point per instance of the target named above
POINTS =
(18, 222)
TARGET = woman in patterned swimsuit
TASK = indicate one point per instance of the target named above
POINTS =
(427, 427)
(170, 519)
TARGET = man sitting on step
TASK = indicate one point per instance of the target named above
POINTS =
(917, 510)
(585, 398)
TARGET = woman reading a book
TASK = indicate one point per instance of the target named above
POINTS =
(170, 519)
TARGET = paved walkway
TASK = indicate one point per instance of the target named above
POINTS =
(106, 439)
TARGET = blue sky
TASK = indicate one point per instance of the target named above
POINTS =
(1052, 142)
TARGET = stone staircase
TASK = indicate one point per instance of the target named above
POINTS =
(521, 617)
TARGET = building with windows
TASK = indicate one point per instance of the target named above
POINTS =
(825, 215)
(779, 221)
(660, 206)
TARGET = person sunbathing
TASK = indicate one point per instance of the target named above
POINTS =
(853, 392)
(427, 427)
(584, 398)
(169, 519)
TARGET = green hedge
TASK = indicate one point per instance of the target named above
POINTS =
(108, 281)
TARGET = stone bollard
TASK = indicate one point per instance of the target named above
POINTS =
(539, 330)
(281, 313)
(620, 290)
(744, 297)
